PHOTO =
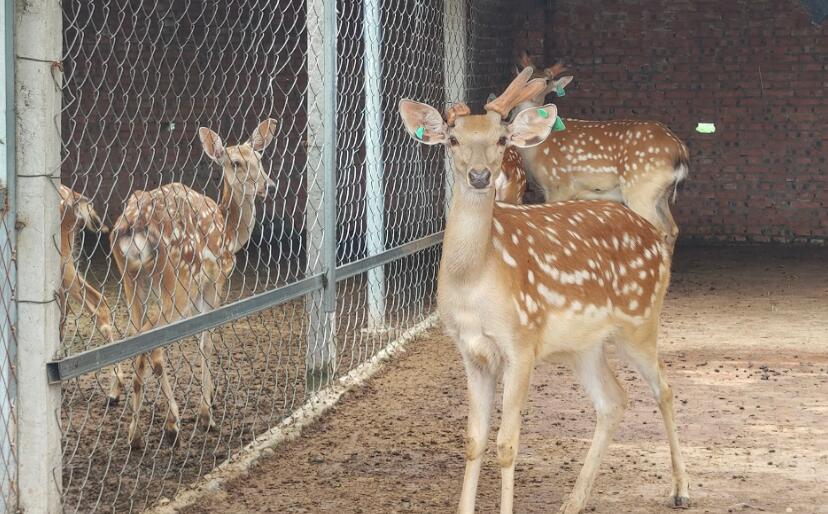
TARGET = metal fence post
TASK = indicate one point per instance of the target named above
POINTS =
(8, 278)
(454, 65)
(374, 188)
(37, 34)
(321, 202)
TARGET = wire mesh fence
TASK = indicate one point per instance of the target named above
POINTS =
(194, 181)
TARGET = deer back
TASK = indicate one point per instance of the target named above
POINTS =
(592, 159)
(596, 259)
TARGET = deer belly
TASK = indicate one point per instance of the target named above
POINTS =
(564, 332)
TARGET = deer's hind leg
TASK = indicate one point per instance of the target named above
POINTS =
(639, 347)
(609, 399)
(208, 301)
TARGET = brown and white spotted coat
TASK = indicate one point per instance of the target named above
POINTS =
(593, 259)
(178, 245)
(519, 284)
(511, 183)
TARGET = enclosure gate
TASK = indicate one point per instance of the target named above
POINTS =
(337, 262)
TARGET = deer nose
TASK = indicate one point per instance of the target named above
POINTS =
(270, 190)
(479, 179)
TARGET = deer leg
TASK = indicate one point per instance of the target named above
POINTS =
(172, 422)
(481, 387)
(668, 221)
(609, 399)
(516, 378)
(208, 300)
(136, 294)
(135, 435)
(652, 370)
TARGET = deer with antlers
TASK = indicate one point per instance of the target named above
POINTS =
(77, 213)
(519, 284)
(635, 162)
(179, 246)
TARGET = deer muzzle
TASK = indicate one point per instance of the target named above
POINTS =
(480, 179)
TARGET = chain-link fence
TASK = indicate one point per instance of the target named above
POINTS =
(238, 229)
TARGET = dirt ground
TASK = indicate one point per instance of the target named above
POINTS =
(745, 333)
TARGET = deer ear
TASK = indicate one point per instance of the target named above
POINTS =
(211, 143)
(524, 60)
(423, 122)
(532, 126)
(564, 81)
(263, 135)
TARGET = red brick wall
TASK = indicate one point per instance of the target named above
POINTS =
(757, 68)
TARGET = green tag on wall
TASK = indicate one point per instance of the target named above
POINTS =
(706, 128)
(559, 125)
(420, 132)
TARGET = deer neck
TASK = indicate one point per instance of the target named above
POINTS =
(468, 237)
(239, 209)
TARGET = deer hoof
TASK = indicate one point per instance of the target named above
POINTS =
(136, 442)
(171, 436)
(206, 422)
(679, 502)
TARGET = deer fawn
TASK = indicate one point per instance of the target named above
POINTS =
(635, 162)
(180, 246)
(523, 283)
(76, 213)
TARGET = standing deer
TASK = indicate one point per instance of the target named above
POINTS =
(635, 162)
(523, 283)
(76, 213)
(180, 246)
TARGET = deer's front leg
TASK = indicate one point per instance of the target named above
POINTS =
(516, 379)
(481, 386)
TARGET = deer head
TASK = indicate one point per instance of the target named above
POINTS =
(242, 163)
(549, 75)
(477, 142)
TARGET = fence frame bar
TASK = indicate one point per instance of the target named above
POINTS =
(374, 164)
(8, 387)
(107, 355)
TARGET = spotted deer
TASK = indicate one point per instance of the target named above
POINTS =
(77, 213)
(635, 162)
(178, 245)
(520, 284)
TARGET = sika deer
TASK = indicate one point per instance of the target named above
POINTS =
(523, 283)
(180, 246)
(77, 213)
(635, 162)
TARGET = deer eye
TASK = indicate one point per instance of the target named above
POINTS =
(453, 141)
(502, 141)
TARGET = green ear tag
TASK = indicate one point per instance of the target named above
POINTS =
(542, 113)
(420, 132)
(560, 90)
(559, 125)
